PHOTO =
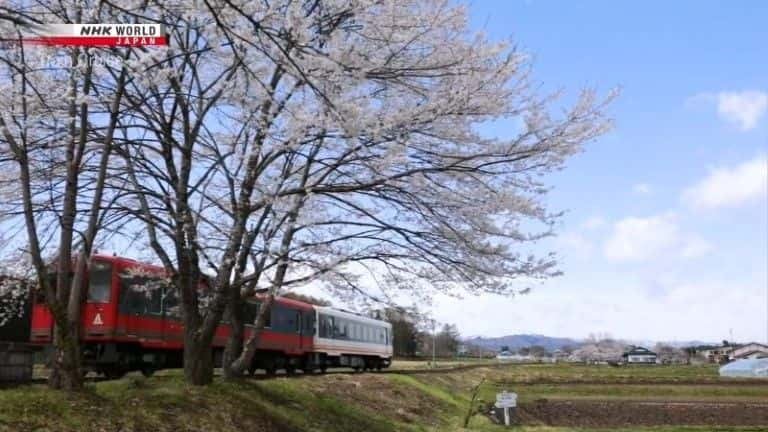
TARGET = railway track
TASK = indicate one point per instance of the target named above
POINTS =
(464, 367)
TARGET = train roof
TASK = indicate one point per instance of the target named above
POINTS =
(288, 302)
(294, 303)
(127, 262)
(351, 315)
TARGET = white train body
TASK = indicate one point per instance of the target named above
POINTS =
(348, 339)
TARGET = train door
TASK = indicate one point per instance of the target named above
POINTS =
(98, 315)
(300, 328)
(131, 305)
(172, 332)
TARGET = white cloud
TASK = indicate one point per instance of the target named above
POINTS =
(642, 189)
(730, 186)
(577, 306)
(655, 237)
(593, 222)
(573, 242)
(695, 247)
(744, 108)
(639, 239)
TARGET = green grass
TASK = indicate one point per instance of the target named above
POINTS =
(644, 429)
(580, 372)
(417, 401)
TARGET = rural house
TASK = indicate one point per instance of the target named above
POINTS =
(639, 355)
(750, 350)
(717, 354)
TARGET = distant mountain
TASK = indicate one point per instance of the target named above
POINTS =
(515, 342)
(675, 344)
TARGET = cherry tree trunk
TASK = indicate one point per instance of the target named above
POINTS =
(66, 367)
(198, 360)
(234, 343)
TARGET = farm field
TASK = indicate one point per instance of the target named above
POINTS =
(553, 397)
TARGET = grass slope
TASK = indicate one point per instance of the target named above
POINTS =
(416, 401)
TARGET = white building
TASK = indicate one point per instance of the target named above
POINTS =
(750, 351)
(639, 355)
(717, 354)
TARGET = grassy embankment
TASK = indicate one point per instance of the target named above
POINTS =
(415, 401)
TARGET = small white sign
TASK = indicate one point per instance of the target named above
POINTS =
(97, 320)
(506, 399)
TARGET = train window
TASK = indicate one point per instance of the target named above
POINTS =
(170, 303)
(326, 326)
(99, 282)
(345, 330)
(284, 320)
(141, 295)
(340, 329)
(154, 306)
(131, 301)
(309, 324)
(322, 327)
(250, 312)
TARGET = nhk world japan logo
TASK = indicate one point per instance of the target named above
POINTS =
(100, 35)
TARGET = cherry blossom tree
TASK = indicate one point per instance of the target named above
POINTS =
(600, 350)
(57, 122)
(273, 144)
(283, 142)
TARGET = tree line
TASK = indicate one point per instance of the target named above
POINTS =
(414, 334)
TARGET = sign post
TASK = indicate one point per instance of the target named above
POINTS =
(505, 405)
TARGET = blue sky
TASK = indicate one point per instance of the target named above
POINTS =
(665, 236)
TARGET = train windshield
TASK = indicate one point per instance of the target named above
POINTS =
(99, 282)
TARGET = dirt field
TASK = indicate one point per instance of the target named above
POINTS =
(579, 396)
(609, 414)
(573, 396)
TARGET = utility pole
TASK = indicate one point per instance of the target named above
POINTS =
(434, 342)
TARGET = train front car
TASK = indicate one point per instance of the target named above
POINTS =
(99, 312)
(125, 323)
(345, 339)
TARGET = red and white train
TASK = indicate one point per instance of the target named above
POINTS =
(126, 327)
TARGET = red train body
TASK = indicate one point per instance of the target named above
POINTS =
(126, 325)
